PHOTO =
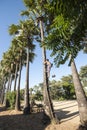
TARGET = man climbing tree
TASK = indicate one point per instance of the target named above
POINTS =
(49, 65)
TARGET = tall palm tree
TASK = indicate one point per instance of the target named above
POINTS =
(47, 98)
(28, 30)
(37, 9)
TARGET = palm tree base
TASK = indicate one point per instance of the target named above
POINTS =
(81, 127)
(26, 110)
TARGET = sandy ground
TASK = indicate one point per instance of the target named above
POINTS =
(66, 111)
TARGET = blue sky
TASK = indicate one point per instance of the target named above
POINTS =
(10, 14)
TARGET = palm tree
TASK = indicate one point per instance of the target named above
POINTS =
(28, 30)
(38, 12)
(47, 98)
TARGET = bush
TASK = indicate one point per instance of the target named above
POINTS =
(61, 99)
(37, 96)
(10, 99)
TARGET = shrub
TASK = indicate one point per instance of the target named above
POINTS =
(10, 99)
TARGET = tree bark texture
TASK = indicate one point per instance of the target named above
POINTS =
(47, 99)
(17, 104)
(80, 95)
(27, 100)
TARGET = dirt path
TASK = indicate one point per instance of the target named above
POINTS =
(66, 111)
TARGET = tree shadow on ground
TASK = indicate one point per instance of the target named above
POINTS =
(81, 127)
(23, 122)
(65, 115)
(68, 106)
(2, 108)
(62, 103)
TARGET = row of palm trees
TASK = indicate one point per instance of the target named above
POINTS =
(63, 33)
(19, 54)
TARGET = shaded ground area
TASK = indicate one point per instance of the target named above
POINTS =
(66, 111)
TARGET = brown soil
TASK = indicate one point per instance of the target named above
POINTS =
(66, 111)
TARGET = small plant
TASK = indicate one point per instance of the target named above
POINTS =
(61, 99)
(10, 98)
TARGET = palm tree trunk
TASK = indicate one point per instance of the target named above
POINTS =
(47, 99)
(3, 92)
(17, 104)
(27, 99)
(10, 83)
(80, 95)
(7, 90)
(15, 77)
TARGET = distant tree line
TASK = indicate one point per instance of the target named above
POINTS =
(62, 89)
